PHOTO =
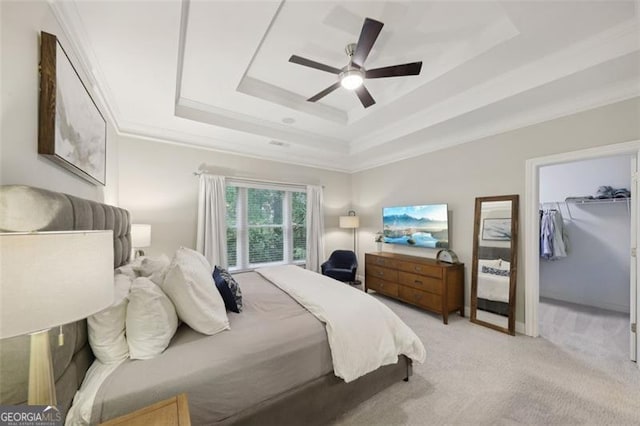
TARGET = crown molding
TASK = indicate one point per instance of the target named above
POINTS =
(203, 113)
(597, 98)
(249, 149)
(67, 16)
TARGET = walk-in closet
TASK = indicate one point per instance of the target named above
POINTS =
(585, 225)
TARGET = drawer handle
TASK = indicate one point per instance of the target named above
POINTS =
(380, 262)
(417, 297)
(418, 268)
(381, 285)
(380, 274)
(418, 282)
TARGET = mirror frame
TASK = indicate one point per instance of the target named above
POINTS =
(511, 329)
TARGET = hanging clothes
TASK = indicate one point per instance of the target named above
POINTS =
(547, 232)
(553, 235)
(560, 237)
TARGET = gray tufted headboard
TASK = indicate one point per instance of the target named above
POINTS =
(24, 208)
(491, 253)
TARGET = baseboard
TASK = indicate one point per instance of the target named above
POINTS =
(585, 301)
(519, 325)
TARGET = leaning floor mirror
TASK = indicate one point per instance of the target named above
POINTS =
(493, 275)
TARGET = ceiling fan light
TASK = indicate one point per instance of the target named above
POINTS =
(351, 80)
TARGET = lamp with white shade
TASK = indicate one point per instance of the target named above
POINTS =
(140, 238)
(351, 221)
(48, 279)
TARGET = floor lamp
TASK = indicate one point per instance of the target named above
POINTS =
(48, 279)
(351, 221)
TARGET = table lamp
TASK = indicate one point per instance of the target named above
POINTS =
(48, 279)
(351, 221)
(140, 237)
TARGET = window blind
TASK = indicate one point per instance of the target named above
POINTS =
(265, 225)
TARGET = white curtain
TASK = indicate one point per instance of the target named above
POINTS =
(315, 228)
(212, 223)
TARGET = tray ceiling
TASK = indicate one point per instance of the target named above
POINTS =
(216, 74)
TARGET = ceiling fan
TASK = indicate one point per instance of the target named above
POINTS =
(352, 75)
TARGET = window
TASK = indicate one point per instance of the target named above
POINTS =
(265, 225)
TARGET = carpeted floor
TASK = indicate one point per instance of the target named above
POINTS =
(587, 332)
(474, 375)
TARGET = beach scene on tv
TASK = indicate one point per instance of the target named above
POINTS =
(418, 226)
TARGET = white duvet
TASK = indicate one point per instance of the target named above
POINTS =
(493, 287)
(80, 412)
(363, 333)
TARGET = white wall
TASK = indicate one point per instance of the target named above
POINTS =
(596, 270)
(157, 185)
(20, 163)
(491, 166)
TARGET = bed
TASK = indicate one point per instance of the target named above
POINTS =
(273, 367)
(493, 280)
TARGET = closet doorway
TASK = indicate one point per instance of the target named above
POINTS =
(588, 299)
(585, 210)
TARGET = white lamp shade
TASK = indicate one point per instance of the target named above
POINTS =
(140, 235)
(53, 278)
(349, 221)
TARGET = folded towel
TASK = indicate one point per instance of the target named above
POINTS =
(621, 193)
(604, 192)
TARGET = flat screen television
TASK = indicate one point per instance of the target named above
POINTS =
(416, 226)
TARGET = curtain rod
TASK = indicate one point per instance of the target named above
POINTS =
(256, 180)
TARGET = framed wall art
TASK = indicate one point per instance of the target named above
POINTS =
(71, 130)
(496, 229)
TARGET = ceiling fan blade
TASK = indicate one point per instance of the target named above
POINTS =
(368, 36)
(365, 97)
(313, 64)
(324, 93)
(412, 68)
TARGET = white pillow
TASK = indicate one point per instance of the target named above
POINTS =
(189, 284)
(107, 328)
(130, 269)
(127, 270)
(491, 263)
(154, 268)
(151, 320)
(505, 265)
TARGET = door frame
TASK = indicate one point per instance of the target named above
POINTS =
(532, 222)
(634, 346)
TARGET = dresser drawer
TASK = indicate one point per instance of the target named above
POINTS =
(421, 268)
(420, 282)
(382, 273)
(381, 286)
(420, 298)
(381, 261)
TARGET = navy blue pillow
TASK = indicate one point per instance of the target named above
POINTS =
(233, 286)
(225, 291)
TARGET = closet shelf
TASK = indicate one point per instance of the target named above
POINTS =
(626, 201)
(577, 202)
(601, 201)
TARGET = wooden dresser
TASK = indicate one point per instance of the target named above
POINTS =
(426, 283)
